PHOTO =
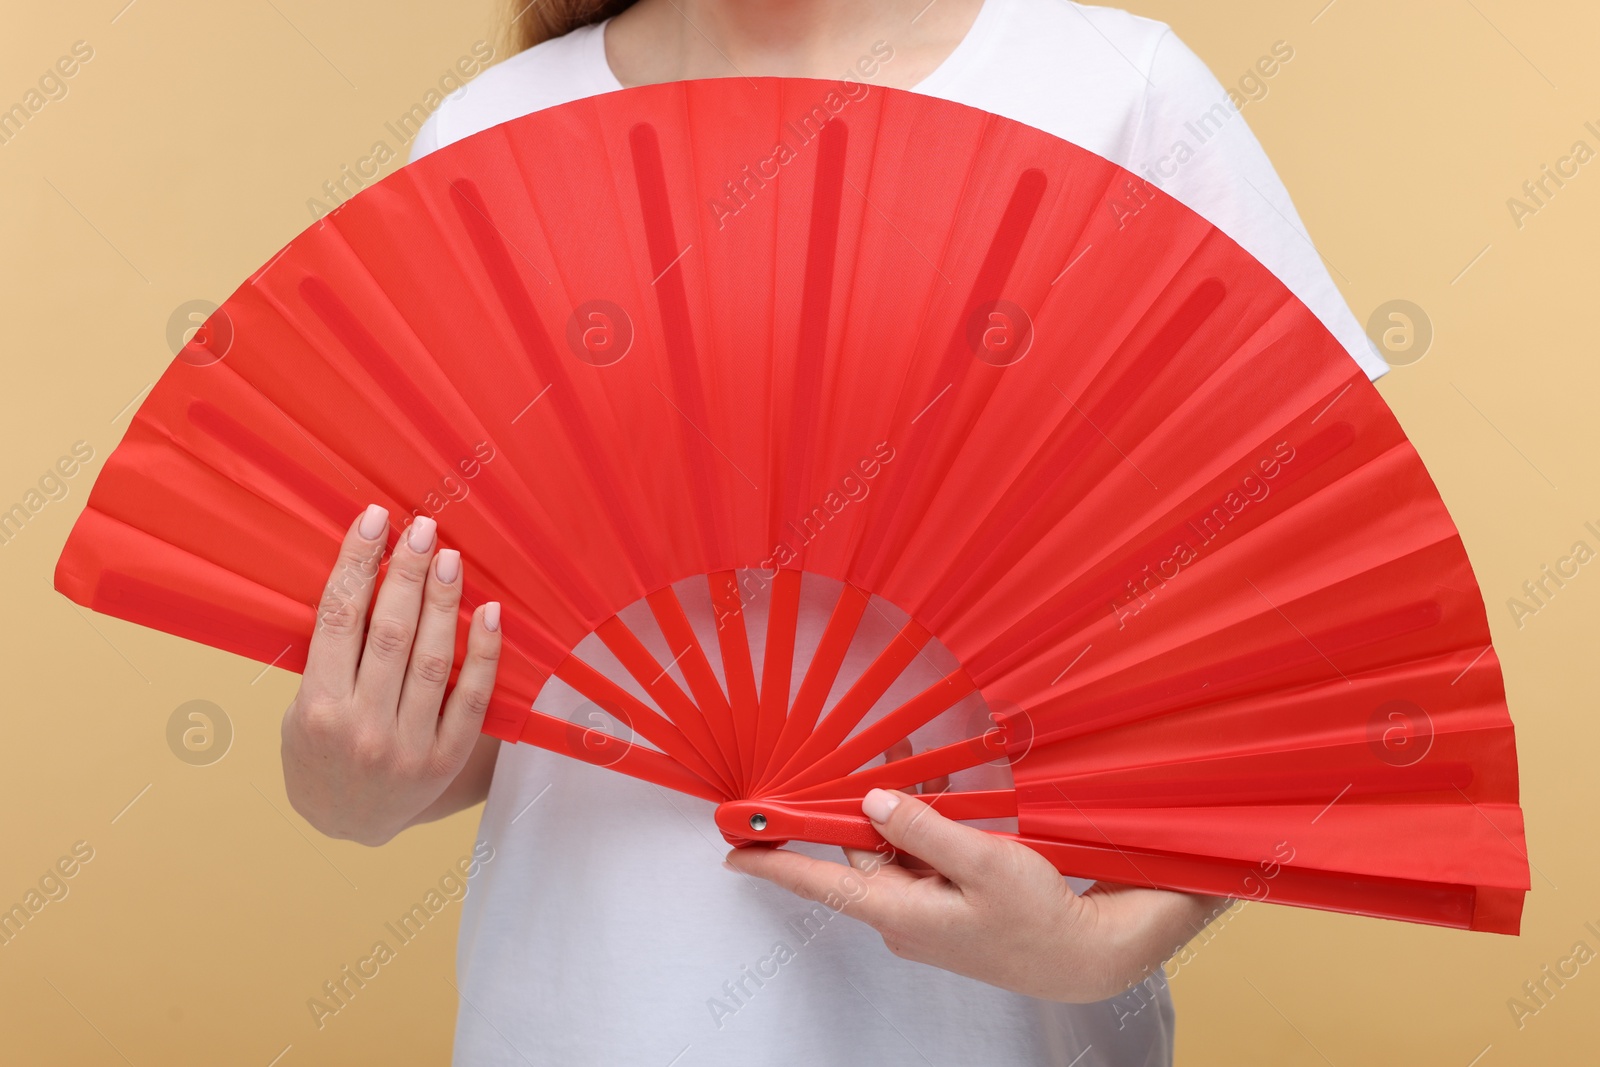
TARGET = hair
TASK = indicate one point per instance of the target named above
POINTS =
(540, 20)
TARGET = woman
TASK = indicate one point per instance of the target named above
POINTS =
(601, 931)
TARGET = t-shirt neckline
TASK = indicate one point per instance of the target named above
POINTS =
(949, 68)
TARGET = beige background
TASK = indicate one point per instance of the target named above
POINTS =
(182, 156)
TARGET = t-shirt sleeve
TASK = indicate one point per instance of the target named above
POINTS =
(427, 138)
(1193, 143)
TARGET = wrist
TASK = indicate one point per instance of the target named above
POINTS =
(1138, 930)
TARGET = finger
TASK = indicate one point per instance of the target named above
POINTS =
(901, 749)
(834, 885)
(342, 614)
(433, 652)
(962, 854)
(394, 618)
(462, 720)
(871, 861)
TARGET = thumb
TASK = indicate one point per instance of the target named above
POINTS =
(962, 854)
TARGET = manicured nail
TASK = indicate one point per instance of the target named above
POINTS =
(491, 616)
(421, 536)
(878, 804)
(373, 522)
(447, 565)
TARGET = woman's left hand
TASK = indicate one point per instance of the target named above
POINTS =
(990, 908)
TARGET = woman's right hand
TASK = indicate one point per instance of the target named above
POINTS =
(366, 752)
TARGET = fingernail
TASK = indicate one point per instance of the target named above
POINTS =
(373, 522)
(420, 539)
(729, 867)
(491, 616)
(447, 565)
(879, 804)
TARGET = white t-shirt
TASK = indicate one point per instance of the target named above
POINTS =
(605, 930)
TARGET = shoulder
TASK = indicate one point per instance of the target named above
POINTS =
(1103, 35)
(1080, 72)
(1138, 35)
(1144, 56)
(553, 72)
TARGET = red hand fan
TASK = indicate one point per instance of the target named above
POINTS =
(1197, 609)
